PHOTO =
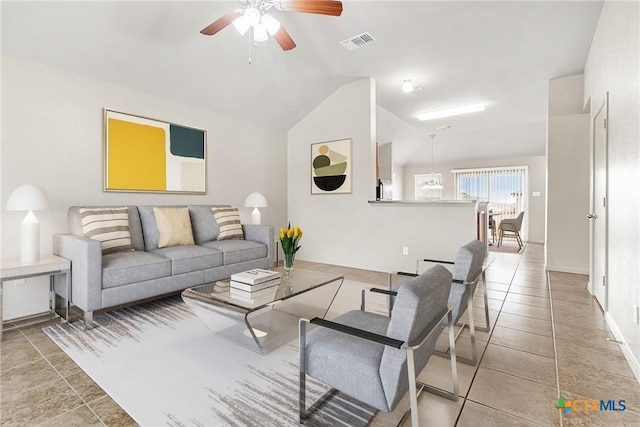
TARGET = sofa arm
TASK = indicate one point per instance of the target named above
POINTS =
(86, 269)
(261, 234)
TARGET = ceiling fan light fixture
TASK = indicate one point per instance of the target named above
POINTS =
(252, 15)
(271, 24)
(260, 33)
(241, 24)
(448, 112)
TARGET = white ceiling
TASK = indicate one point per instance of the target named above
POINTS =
(502, 53)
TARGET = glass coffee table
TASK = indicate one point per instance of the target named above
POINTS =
(264, 326)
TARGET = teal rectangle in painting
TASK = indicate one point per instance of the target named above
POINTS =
(187, 142)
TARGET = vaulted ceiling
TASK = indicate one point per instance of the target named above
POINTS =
(501, 53)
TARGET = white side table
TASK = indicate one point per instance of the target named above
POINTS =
(49, 265)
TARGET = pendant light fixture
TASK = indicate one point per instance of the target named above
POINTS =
(434, 182)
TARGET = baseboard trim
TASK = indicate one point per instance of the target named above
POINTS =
(567, 269)
(537, 242)
(628, 354)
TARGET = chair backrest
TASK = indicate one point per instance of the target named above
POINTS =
(519, 221)
(467, 267)
(419, 301)
(469, 261)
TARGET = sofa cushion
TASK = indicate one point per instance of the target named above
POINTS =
(205, 227)
(228, 220)
(185, 259)
(108, 225)
(235, 251)
(174, 226)
(121, 268)
(149, 226)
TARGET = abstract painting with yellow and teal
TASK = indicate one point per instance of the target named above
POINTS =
(143, 154)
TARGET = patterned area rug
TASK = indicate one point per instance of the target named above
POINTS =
(162, 365)
(507, 246)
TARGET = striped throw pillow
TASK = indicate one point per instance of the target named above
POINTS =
(228, 220)
(108, 225)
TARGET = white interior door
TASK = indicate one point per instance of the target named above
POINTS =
(598, 213)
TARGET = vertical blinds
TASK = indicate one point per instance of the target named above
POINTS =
(504, 188)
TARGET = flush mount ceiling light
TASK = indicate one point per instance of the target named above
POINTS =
(448, 112)
(409, 85)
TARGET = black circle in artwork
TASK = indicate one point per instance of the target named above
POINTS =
(329, 183)
(321, 161)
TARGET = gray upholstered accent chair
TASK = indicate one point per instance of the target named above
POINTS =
(510, 227)
(468, 271)
(375, 358)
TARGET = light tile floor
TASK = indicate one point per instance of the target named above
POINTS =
(547, 339)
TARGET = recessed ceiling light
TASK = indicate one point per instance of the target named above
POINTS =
(409, 85)
(448, 112)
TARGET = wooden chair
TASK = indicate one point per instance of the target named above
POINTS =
(511, 228)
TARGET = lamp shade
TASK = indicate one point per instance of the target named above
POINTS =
(256, 200)
(28, 197)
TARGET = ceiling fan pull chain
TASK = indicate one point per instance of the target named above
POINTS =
(251, 42)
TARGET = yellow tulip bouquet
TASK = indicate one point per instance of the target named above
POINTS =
(289, 238)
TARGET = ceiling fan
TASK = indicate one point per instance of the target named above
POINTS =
(255, 16)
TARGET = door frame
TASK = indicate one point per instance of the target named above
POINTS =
(592, 283)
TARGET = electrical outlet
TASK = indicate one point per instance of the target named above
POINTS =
(636, 314)
(405, 250)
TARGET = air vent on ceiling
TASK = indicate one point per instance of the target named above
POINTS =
(358, 41)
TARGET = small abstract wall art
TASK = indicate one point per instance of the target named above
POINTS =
(142, 154)
(331, 167)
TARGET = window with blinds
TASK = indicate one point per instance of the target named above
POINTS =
(504, 188)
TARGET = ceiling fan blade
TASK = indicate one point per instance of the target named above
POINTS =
(220, 23)
(320, 7)
(284, 39)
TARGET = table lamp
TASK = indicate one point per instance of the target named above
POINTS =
(255, 201)
(29, 197)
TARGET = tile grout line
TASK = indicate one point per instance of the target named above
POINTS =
(555, 349)
(84, 403)
(486, 347)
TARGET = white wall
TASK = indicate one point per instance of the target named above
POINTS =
(391, 128)
(345, 229)
(613, 65)
(568, 185)
(52, 136)
(533, 226)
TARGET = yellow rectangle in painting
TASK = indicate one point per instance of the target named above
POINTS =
(136, 156)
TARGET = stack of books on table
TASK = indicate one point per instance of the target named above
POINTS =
(256, 286)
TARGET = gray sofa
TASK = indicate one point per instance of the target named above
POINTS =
(102, 281)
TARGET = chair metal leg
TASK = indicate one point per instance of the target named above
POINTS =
(303, 370)
(487, 326)
(390, 299)
(413, 395)
(472, 328)
(450, 395)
